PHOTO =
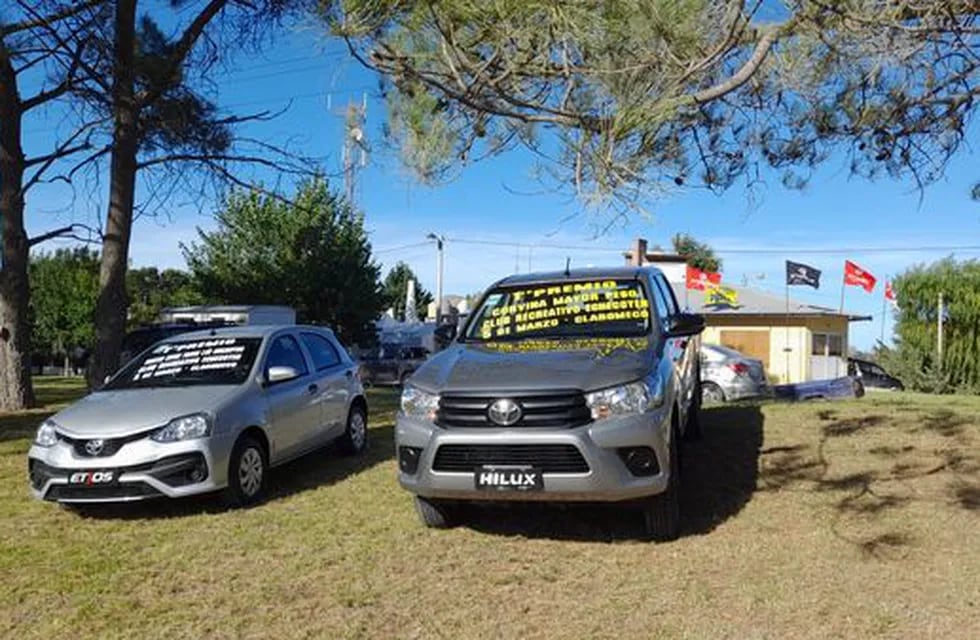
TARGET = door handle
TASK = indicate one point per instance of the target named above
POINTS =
(312, 388)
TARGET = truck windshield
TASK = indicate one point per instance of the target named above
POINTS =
(594, 308)
(181, 363)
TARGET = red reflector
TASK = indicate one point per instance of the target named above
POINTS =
(739, 368)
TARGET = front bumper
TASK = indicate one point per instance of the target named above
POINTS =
(607, 478)
(140, 470)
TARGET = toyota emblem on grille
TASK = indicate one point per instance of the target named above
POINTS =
(94, 447)
(504, 412)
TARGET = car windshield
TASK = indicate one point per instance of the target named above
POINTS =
(180, 363)
(594, 308)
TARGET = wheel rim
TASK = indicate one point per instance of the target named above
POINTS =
(250, 470)
(709, 393)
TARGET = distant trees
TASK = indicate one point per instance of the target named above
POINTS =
(65, 285)
(151, 290)
(396, 286)
(697, 254)
(311, 253)
(914, 359)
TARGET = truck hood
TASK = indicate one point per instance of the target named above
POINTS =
(110, 414)
(537, 365)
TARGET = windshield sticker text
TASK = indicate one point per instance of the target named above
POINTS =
(203, 355)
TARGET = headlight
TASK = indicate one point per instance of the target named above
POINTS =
(47, 434)
(185, 428)
(419, 404)
(627, 399)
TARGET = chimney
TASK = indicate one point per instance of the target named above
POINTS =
(636, 256)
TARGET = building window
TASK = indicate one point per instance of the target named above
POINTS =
(828, 344)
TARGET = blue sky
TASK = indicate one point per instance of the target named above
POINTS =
(315, 79)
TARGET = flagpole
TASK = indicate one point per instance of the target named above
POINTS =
(843, 287)
(884, 303)
(786, 347)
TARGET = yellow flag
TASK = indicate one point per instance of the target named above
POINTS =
(721, 295)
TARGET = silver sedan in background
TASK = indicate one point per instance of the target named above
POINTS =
(201, 412)
(729, 375)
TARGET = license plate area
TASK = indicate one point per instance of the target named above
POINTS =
(95, 478)
(508, 478)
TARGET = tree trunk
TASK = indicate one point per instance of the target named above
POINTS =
(16, 391)
(110, 309)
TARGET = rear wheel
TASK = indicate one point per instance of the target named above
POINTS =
(354, 440)
(711, 394)
(435, 514)
(246, 473)
(662, 512)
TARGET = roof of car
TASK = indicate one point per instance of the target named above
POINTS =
(591, 273)
(243, 331)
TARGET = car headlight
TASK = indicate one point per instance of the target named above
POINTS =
(419, 404)
(627, 399)
(189, 427)
(47, 434)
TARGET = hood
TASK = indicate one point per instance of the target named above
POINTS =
(124, 412)
(537, 365)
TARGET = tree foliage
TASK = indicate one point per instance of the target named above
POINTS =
(697, 254)
(151, 290)
(621, 97)
(396, 287)
(311, 253)
(914, 357)
(64, 286)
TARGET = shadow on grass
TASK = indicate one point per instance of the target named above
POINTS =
(320, 468)
(718, 480)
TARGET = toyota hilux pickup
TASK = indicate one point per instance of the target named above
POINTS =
(573, 386)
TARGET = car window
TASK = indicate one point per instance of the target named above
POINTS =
(668, 294)
(285, 352)
(663, 311)
(214, 360)
(321, 351)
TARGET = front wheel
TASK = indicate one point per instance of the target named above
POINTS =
(435, 514)
(692, 426)
(662, 513)
(246, 473)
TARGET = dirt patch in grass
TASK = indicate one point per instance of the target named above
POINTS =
(854, 519)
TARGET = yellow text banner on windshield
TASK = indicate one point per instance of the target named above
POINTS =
(574, 308)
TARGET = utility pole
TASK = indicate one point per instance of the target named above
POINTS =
(355, 144)
(440, 241)
(939, 330)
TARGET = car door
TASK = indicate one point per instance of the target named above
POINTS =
(333, 376)
(294, 410)
(684, 350)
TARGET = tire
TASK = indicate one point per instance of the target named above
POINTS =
(354, 440)
(662, 513)
(435, 514)
(692, 427)
(711, 393)
(248, 468)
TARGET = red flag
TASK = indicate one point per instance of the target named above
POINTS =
(855, 275)
(698, 280)
(889, 292)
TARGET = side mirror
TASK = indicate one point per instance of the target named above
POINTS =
(445, 333)
(685, 324)
(275, 375)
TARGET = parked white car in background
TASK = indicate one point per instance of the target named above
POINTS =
(729, 375)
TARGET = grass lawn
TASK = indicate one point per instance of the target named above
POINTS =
(848, 519)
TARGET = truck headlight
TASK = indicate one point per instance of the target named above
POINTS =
(627, 399)
(419, 404)
(47, 434)
(197, 425)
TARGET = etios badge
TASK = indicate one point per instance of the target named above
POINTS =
(94, 447)
(505, 412)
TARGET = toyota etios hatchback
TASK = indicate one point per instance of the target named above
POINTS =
(570, 386)
(201, 412)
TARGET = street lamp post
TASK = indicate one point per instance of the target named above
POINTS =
(440, 241)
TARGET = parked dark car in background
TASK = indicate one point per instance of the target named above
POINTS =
(391, 363)
(872, 376)
(727, 374)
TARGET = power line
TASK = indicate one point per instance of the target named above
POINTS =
(402, 247)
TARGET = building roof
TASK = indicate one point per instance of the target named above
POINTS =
(752, 302)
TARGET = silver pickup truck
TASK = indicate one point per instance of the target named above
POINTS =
(572, 386)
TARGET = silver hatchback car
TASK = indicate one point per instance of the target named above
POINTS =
(201, 412)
